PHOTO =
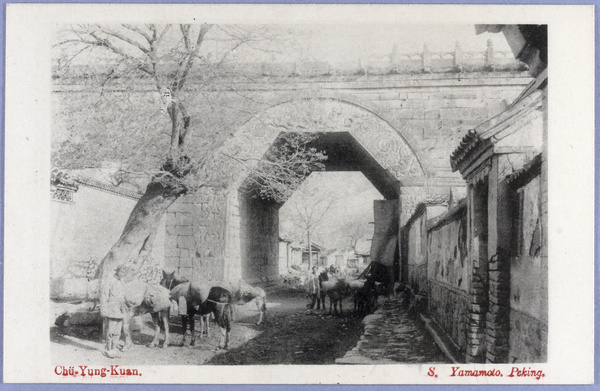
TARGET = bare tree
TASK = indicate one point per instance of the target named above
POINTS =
(125, 68)
(284, 167)
(355, 230)
(309, 210)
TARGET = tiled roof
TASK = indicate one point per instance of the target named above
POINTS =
(524, 175)
(470, 142)
(430, 200)
(486, 134)
(63, 178)
(93, 183)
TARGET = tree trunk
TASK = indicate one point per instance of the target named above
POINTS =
(137, 238)
(309, 250)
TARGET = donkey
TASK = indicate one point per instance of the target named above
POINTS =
(244, 293)
(140, 298)
(200, 298)
(336, 289)
(154, 300)
(237, 293)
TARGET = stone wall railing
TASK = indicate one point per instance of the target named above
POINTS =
(396, 63)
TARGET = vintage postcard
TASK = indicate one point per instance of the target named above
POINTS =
(306, 194)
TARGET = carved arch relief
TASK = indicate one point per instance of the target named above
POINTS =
(373, 133)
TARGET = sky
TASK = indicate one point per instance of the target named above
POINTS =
(354, 196)
(332, 43)
(344, 43)
(341, 43)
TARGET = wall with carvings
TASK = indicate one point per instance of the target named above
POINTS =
(411, 123)
(448, 274)
(408, 125)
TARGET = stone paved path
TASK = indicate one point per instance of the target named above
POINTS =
(394, 335)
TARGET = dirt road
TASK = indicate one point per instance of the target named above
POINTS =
(290, 336)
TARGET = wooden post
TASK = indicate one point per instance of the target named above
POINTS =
(489, 54)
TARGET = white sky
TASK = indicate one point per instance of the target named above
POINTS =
(348, 42)
(345, 43)
(369, 42)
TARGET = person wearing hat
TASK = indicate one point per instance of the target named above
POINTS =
(113, 309)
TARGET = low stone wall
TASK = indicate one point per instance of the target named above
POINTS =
(449, 307)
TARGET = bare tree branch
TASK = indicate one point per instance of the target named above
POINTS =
(141, 32)
(126, 39)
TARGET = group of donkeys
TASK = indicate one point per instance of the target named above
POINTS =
(216, 298)
(190, 298)
(364, 292)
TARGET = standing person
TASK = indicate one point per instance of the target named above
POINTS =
(314, 288)
(113, 310)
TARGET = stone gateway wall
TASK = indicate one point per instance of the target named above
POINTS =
(259, 238)
(448, 272)
(195, 235)
(405, 125)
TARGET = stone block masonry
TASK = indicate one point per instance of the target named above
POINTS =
(195, 235)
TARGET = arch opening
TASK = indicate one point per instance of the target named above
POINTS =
(353, 138)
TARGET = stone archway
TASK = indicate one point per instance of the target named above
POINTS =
(324, 115)
(384, 156)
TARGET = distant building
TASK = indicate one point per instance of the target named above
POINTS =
(316, 251)
(290, 254)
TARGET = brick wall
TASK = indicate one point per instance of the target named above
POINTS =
(497, 319)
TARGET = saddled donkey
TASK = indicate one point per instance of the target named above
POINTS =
(197, 300)
(243, 293)
(142, 298)
(202, 298)
(172, 279)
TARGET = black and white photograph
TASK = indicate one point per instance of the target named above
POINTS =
(294, 195)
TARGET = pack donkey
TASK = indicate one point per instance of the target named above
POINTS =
(205, 297)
